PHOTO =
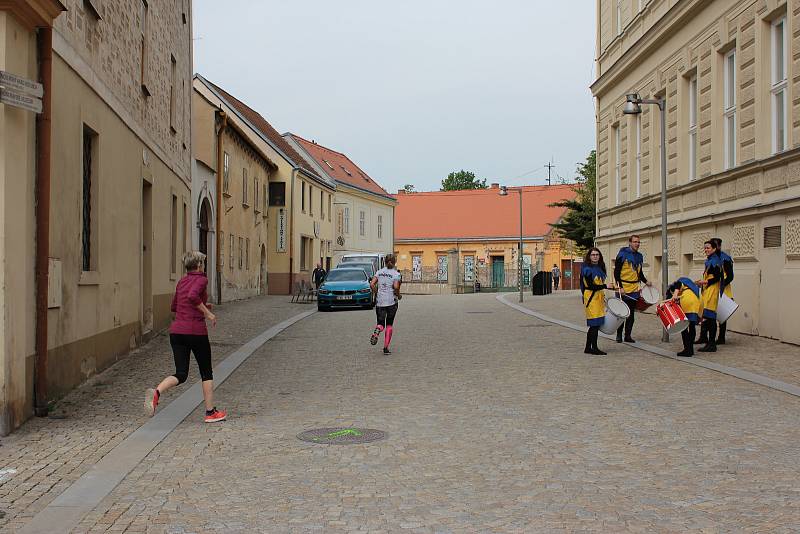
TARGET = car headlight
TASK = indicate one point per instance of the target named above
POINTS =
(324, 292)
(367, 290)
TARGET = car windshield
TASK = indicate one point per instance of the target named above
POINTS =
(368, 267)
(346, 275)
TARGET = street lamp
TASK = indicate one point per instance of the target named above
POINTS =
(504, 192)
(633, 106)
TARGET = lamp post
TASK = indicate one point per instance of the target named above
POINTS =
(633, 106)
(504, 192)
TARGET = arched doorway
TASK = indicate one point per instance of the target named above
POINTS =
(262, 286)
(205, 226)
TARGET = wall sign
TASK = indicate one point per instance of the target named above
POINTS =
(281, 230)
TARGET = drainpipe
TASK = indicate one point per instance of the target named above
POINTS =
(222, 121)
(44, 41)
(291, 228)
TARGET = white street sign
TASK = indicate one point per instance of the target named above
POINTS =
(14, 83)
(29, 103)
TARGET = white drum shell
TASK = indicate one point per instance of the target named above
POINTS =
(651, 295)
(725, 308)
(616, 313)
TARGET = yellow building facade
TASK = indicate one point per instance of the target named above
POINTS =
(726, 71)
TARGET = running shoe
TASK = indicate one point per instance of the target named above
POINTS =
(151, 401)
(216, 415)
(373, 339)
(386, 350)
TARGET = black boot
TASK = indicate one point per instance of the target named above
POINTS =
(723, 327)
(688, 349)
(711, 346)
(619, 333)
(595, 350)
(629, 321)
(703, 339)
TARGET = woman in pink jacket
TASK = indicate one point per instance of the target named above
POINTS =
(188, 334)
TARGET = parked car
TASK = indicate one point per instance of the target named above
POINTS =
(345, 287)
(368, 267)
(377, 259)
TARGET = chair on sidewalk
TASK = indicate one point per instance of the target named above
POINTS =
(297, 292)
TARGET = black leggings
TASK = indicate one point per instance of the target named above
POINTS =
(628, 325)
(182, 345)
(688, 337)
(591, 337)
(386, 314)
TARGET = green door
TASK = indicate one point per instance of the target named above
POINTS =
(498, 271)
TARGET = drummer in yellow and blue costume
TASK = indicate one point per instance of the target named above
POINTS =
(628, 275)
(712, 278)
(725, 284)
(687, 293)
(593, 277)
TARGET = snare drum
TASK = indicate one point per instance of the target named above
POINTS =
(649, 296)
(672, 317)
(616, 313)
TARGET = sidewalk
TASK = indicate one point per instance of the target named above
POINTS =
(46, 455)
(767, 357)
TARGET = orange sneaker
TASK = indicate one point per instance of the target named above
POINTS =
(151, 397)
(215, 415)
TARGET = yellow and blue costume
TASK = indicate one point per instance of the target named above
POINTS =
(727, 273)
(713, 276)
(594, 297)
(628, 272)
(689, 299)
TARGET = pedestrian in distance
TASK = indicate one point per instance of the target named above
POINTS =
(712, 277)
(593, 286)
(628, 275)
(386, 285)
(188, 335)
(318, 276)
(556, 272)
(687, 294)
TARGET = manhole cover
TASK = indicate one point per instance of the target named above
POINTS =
(341, 435)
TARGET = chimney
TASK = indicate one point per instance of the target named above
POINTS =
(495, 186)
(401, 191)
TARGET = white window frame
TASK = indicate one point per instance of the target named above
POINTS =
(619, 17)
(779, 85)
(729, 108)
(638, 139)
(380, 226)
(693, 115)
(617, 163)
(362, 223)
(347, 220)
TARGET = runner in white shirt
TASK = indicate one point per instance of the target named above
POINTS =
(386, 283)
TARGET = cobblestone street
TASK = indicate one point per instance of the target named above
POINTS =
(496, 422)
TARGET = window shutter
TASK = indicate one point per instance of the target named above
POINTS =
(772, 237)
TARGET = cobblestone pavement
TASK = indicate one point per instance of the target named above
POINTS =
(767, 357)
(43, 457)
(496, 422)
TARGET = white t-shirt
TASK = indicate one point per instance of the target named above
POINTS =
(386, 279)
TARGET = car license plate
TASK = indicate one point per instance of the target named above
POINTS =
(344, 297)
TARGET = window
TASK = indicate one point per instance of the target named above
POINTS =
(779, 86)
(638, 139)
(329, 207)
(693, 127)
(173, 88)
(143, 43)
(303, 197)
(322, 205)
(277, 193)
(305, 253)
(226, 173)
(772, 237)
(256, 205)
(362, 223)
(347, 220)
(617, 163)
(173, 234)
(244, 187)
(231, 250)
(310, 200)
(241, 252)
(380, 226)
(619, 16)
(729, 113)
(185, 229)
(89, 200)
(264, 200)
(247, 254)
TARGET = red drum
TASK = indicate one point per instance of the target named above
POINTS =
(672, 317)
(648, 296)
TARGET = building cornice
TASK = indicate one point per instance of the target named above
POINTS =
(654, 37)
(34, 13)
(468, 239)
(746, 169)
(387, 200)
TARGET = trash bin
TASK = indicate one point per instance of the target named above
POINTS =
(477, 287)
(542, 283)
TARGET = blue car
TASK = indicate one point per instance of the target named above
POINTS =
(345, 287)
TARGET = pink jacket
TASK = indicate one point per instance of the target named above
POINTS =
(190, 291)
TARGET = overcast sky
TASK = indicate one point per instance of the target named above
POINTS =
(414, 89)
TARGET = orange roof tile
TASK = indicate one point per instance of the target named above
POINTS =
(339, 167)
(265, 128)
(480, 213)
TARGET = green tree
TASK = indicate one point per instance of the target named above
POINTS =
(458, 181)
(408, 188)
(578, 221)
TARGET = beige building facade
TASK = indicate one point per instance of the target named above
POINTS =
(289, 226)
(113, 146)
(727, 71)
